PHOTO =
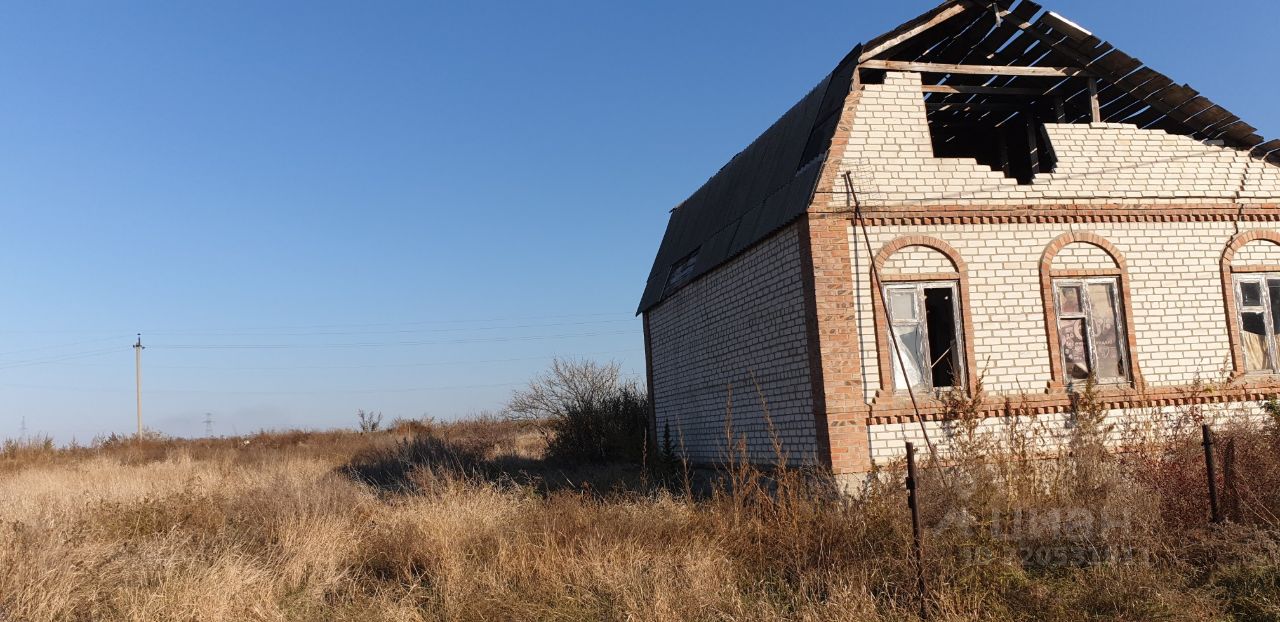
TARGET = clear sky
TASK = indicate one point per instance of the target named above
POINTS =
(313, 207)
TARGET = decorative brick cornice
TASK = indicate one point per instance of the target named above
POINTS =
(1058, 401)
(1062, 214)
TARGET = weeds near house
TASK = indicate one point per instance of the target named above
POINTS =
(429, 520)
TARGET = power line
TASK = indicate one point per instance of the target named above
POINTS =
(388, 365)
(346, 391)
(64, 345)
(297, 327)
(57, 359)
(388, 344)
(386, 332)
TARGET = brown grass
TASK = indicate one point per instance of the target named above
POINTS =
(431, 521)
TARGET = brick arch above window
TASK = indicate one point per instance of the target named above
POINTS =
(1234, 262)
(1050, 269)
(889, 250)
(884, 275)
(1236, 256)
(1080, 237)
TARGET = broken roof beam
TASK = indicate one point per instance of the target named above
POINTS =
(987, 70)
(911, 30)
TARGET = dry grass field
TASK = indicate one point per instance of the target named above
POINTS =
(464, 521)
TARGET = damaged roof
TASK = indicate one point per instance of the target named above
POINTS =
(771, 182)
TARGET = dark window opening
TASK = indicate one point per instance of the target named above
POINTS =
(683, 269)
(924, 324)
(939, 311)
(1010, 138)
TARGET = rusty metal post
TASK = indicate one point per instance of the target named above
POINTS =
(1214, 513)
(913, 502)
(1229, 480)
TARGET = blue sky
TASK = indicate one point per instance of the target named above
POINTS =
(408, 207)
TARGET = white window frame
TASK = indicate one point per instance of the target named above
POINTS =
(1086, 314)
(921, 322)
(1264, 307)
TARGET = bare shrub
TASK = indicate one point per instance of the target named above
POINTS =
(587, 413)
(368, 421)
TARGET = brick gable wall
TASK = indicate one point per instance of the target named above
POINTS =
(735, 337)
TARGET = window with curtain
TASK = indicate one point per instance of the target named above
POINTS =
(1091, 329)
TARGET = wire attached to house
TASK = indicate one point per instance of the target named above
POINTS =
(852, 197)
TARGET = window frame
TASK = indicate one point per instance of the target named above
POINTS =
(1049, 272)
(921, 323)
(1272, 365)
(1231, 314)
(1086, 314)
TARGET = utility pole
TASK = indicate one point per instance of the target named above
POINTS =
(208, 425)
(137, 374)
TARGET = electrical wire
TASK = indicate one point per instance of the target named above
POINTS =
(69, 357)
(392, 344)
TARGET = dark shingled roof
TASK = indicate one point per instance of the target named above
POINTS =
(763, 188)
(771, 182)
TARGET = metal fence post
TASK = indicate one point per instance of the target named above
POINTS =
(913, 502)
(1214, 513)
(1229, 480)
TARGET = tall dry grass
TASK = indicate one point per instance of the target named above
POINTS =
(430, 521)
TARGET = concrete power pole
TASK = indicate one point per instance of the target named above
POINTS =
(137, 374)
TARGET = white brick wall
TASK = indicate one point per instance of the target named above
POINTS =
(745, 319)
(1257, 253)
(891, 159)
(1081, 256)
(1174, 274)
(918, 260)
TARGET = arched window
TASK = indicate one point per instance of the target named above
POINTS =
(1251, 289)
(922, 322)
(1085, 286)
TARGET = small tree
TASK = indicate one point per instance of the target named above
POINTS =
(369, 421)
(586, 411)
(566, 385)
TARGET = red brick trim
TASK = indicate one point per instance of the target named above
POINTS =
(1255, 268)
(884, 349)
(813, 345)
(1067, 214)
(1237, 242)
(1057, 379)
(1109, 397)
(837, 343)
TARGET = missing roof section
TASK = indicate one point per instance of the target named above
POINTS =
(1006, 133)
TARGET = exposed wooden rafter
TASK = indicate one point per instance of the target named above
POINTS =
(910, 31)
(960, 89)
(989, 70)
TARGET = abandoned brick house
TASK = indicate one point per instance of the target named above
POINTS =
(988, 192)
